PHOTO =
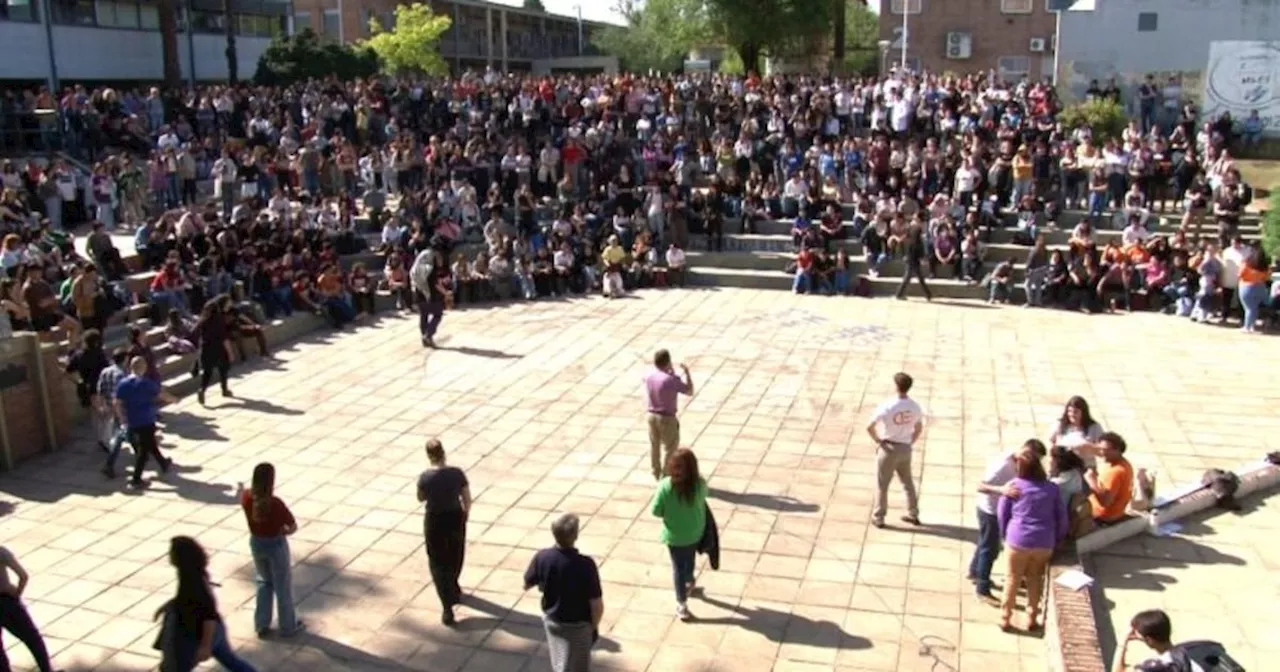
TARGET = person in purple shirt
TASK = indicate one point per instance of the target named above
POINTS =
(662, 389)
(1032, 525)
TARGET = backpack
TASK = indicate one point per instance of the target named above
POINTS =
(420, 272)
(1210, 656)
(1079, 515)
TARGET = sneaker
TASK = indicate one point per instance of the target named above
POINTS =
(200, 397)
(297, 630)
(447, 617)
(913, 520)
(988, 599)
(682, 611)
(165, 464)
(264, 633)
(227, 393)
(879, 524)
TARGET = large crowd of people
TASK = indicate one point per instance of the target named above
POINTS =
(243, 200)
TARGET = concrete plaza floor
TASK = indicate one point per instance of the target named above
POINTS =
(541, 405)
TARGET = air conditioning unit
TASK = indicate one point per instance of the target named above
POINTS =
(1038, 44)
(959, 46)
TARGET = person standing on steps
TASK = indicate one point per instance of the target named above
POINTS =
(137, 401)
(662, 390)
(14, 616)
(447, 495)
(214, 333)
(270, 525)
(895, 427)
(430, 276)
(917, 254)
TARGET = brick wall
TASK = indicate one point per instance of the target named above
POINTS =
(23, 401)
(1071, 635)
(994, 34)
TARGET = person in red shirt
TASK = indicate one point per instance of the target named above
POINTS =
(804, 272)
(270, 524)
(170, 288)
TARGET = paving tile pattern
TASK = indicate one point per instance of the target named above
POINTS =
(540, 404)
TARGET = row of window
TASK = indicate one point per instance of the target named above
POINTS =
(1006, 6)
(136, 15)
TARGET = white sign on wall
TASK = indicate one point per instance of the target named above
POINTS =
(1242, 77)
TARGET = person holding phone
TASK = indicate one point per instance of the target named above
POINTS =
(270, 525)
(662, 391)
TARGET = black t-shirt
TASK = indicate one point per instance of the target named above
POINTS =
(568, 580)
(442, 488)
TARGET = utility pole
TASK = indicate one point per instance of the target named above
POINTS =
(233, 64)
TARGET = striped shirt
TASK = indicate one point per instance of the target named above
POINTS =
(107, 382)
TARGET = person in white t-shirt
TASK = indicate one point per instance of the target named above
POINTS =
(895, 426)
(675, 265)
(995, 483)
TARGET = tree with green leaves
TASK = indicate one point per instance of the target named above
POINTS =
(755, 28)
(413, 46)
(295, 58)
(862, 36)
(658, 34)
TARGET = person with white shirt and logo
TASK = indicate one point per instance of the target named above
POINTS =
(995, 483)
(895, 426)
(675, 265)
(1233, 259)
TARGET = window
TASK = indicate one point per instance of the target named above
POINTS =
(332, 23)
(1148, 22)
(253, 25)
(301, 22)
(1014, 69)
(208, 22)
(74, 12)
(389, 21)
(149, 17)
(18, 10)
(1016, 6)
(116, 14)
(913, 6)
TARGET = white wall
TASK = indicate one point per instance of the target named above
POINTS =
(607, 64)
(101, 53)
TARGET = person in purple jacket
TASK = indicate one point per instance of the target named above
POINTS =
(1032, 525)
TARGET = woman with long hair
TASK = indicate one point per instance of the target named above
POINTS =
(270, 524)
(192, 630)
(214, 331)
(1032, 525)
(1254, 276)
(1077, 430)
(681, 503)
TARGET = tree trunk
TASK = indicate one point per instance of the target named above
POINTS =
(233, 64)
(169, 44)
(839, 15)
(749, 52)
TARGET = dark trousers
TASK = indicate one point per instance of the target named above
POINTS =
(145, 447)
(430, 312)
(213, 363)
(446, 537)
(15, 619)
(984, 556)
(913, 268)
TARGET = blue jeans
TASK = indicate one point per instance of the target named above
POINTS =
(876, 261)
(276, 301)
(176, 299)
(802, 283)
(224, 655)
(117, 442)
(682, 560)
(275, 580)
(841, 278)
(1097, 203)
(1252, 296)
(984, 556)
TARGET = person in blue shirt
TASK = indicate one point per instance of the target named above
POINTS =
(137, 403)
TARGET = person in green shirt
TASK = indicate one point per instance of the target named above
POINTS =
(681, 503)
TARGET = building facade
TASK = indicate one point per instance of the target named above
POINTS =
(120, 41)
(1013, 37)
(483, 34)
(1128, 39)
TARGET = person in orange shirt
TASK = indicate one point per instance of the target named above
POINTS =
(1253, 287)
(333, 296)
(1111, 482)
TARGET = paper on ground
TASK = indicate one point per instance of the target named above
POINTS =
(1074, 579)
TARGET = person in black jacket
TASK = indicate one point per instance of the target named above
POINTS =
(192, 629)
(916, 254)
(214, 333)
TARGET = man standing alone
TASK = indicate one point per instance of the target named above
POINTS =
(447, 495)
(136, 406)
(895, 426)
(663, 388)
(430, 273)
